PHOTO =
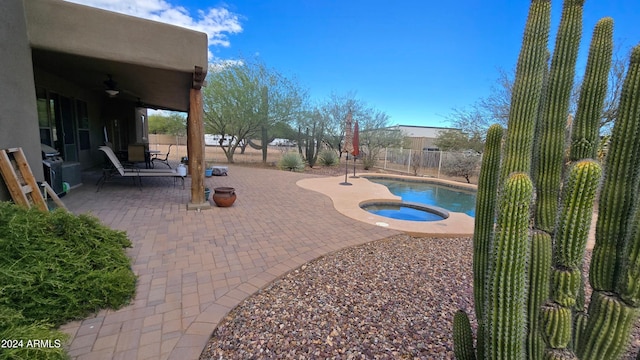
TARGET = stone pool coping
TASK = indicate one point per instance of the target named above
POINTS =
(347, 200)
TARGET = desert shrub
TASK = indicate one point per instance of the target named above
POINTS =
(291, 161)
(328, 157)
(56, 267)
(369, 161)
(460, 164)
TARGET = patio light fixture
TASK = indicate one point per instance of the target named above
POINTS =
(111, 87)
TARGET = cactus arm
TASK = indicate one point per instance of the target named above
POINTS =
(576, 214)
(584, 137)
(462, 337)
(557, 325)
(526, 90)
(565, 284)
(572, 234)
(554, 116)
(610, 316)
(608, 328)
(484, 222)
(619, 191)
(505, 313)
(579, 325)
(539, 273)
(629, 282)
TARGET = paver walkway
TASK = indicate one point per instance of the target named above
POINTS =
(194, 267)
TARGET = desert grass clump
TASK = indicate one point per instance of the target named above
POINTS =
(328, 157)
(56, 267)
(291, 161)
(18, 330)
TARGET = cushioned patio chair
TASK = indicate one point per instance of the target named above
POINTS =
(134, 173)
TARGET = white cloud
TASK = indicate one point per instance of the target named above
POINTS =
(217, 23)
(219, 64)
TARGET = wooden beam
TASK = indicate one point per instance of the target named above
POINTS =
(195, 150)
(198, 77)
(188, 141)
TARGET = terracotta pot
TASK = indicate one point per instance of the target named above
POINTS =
(224, 196)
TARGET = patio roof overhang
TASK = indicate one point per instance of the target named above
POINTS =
(162, 66)
(151, 62)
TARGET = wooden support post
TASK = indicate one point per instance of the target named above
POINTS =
(188, 142)
(195, 150)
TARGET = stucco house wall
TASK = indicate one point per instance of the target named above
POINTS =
(18, 115)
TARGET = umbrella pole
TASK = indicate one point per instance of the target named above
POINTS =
(354, 169)
(346, 171)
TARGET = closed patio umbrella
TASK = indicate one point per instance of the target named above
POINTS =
(348, 145)
(356, 146)
(348, 134)
(356, 140)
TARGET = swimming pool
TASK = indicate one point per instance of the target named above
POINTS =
(405, 210)
(446, 197)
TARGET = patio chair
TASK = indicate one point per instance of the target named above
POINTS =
(136, 154)
(133, 173)
(164, 160)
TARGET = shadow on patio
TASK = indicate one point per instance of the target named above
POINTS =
(194, 267)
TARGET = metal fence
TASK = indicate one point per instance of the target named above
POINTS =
(415, 162)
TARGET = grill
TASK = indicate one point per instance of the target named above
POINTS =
(52, 166)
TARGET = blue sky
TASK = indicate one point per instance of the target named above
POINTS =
(414, 59)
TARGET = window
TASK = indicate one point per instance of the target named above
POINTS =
(82, 115)
(44, 118)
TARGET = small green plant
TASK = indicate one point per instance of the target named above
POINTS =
(328, 157)
(56, 267)
(291, 161)
(369, 161)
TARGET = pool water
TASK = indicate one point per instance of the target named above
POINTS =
(401, 212)
(432, 194)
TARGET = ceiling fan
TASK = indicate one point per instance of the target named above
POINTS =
(112, 86)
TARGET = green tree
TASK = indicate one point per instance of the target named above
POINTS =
(334, 111)
(376, 135)
(456, 140)
(242, 99)
(172, 124)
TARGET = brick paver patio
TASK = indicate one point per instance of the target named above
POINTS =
(194, 267)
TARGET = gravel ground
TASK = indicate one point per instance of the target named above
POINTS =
(390, 299)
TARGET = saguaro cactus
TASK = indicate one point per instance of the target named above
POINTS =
(549, 247)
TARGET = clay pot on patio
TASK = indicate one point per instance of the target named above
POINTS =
(224, 196)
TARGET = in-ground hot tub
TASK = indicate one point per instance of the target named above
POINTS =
(405, 210)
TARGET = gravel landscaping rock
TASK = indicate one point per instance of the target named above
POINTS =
(390, 299)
